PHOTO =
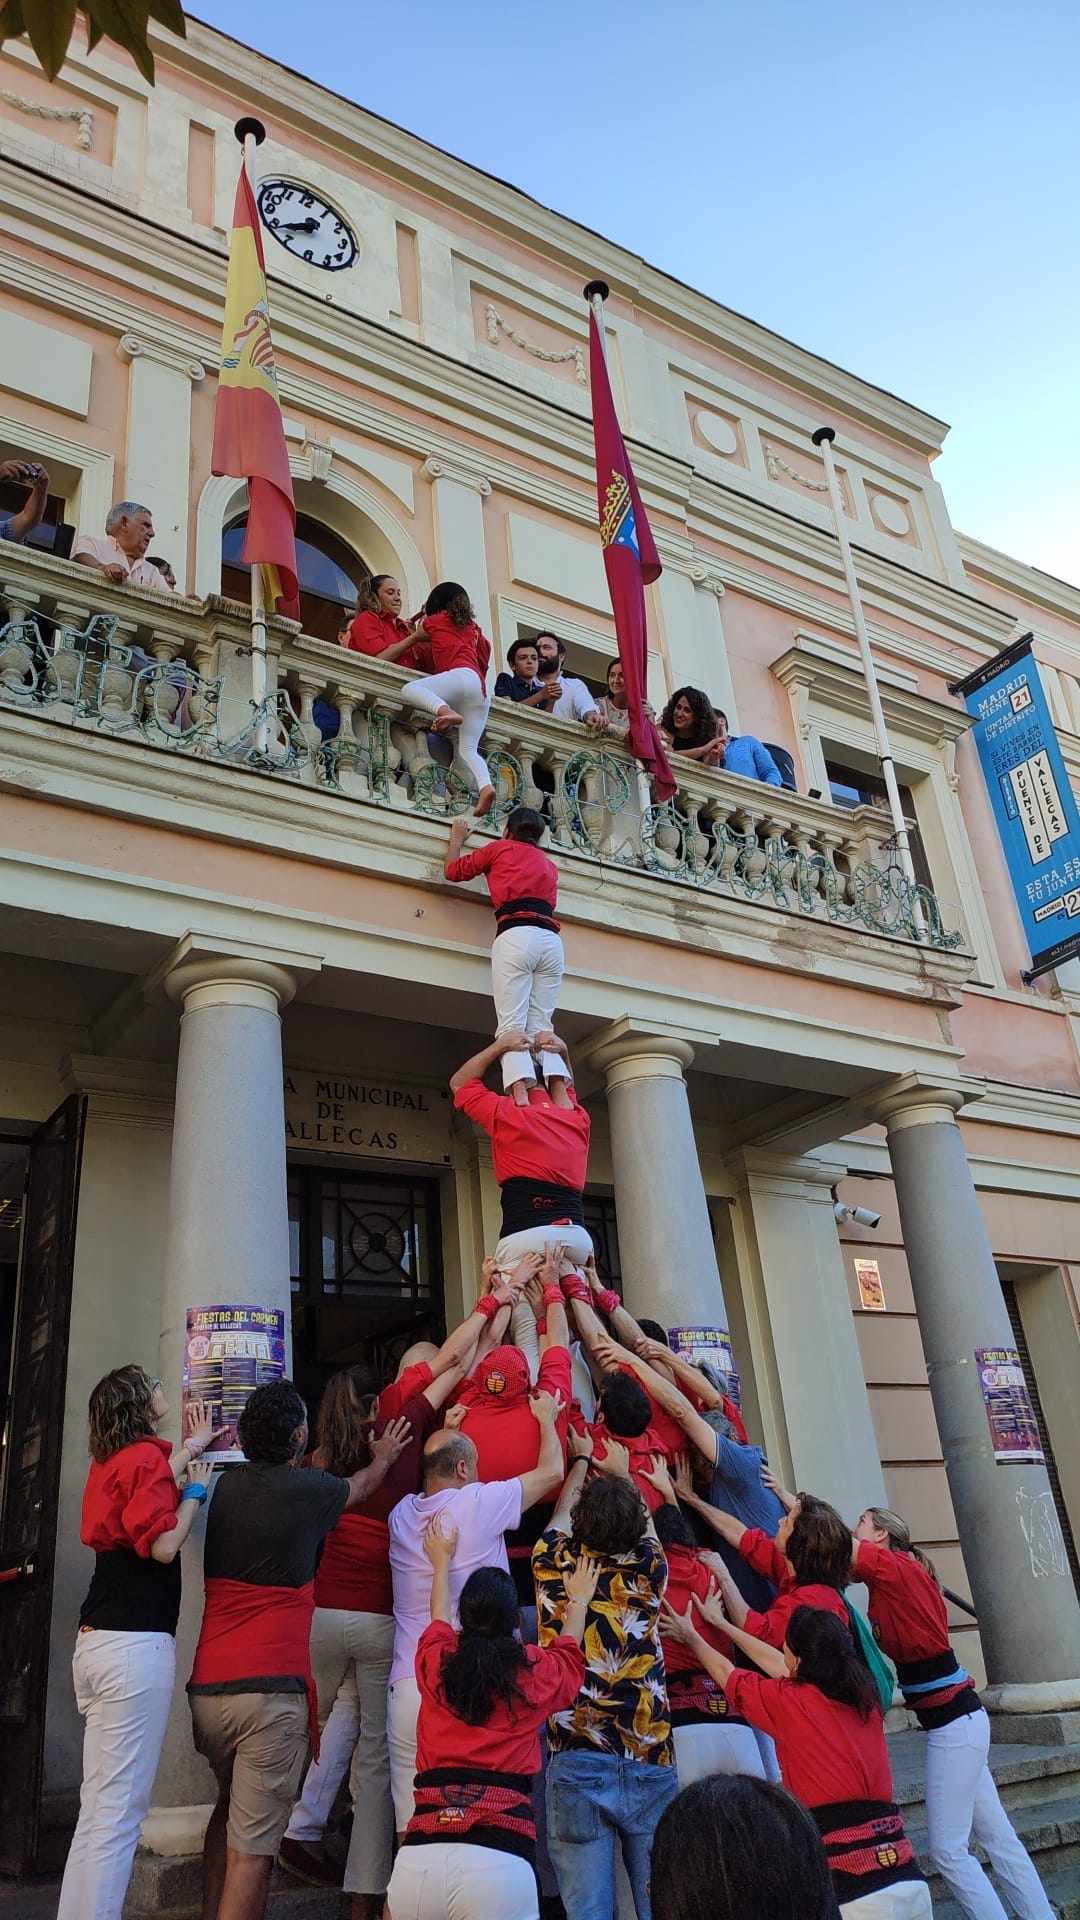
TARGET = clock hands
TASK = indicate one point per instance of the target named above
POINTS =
(298, 226)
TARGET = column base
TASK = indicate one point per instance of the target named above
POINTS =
(1045, 1713)
(170, 1832)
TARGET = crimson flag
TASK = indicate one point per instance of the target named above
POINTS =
(631, 563)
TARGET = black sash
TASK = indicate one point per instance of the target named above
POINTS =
(538, 1203)
(527, 911)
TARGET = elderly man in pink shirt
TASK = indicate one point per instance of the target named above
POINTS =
(120, 556)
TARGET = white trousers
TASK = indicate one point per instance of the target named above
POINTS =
(513, 1246)
(123, 1689)
(526, 974)
(363, 1644)
(402, 1713)
(325, 1775)
(705, 1749)
(908, 1900)
(450, 1880)
(461, 689)
(962, 1804)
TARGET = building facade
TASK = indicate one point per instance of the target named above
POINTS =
(235, 983)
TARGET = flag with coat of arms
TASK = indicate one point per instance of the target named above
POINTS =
(249, 437)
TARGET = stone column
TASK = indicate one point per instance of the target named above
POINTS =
(665, 1235)
(697, 650)
(458, 495)
(815, 1409)
(157, 456)
(1029, 1619)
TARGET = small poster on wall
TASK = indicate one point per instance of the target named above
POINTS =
(871, 1290)
(1014, 1429)
(229, 1351)
(713, 1345)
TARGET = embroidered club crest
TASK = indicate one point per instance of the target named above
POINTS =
(618, 527)
(495, 1383)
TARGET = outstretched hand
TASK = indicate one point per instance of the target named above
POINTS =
(546, 1408)
(616, 1458)
(513, 1042)
(454, 1417)
(659, 1477)
(582, 1580)
(579, 1446)
(711, 1608)
(678, 1626)
(392, 1441)
(439, 1541)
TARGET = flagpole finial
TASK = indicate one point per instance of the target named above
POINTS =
(823, 433)
(250, 126)
(596, 290)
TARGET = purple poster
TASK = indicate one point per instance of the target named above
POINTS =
(1014, 1430)
(229, 1351)
(713, 1345)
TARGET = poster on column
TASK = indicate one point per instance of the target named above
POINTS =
(1014, 1430)
(228, 1352)
(713, 1345)
(1036, 815)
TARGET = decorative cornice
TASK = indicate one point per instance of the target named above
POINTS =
(436, 468)
(1042, 589)
(706, 575)
(840, 686)
(134, 346)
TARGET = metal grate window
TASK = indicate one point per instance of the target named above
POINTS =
(1013, 1308)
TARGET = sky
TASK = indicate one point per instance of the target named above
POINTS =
(894, 187)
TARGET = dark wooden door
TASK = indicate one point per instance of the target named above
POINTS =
(30, 1471)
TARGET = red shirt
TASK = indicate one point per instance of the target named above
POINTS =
(662, 1424)
(771, 1626)
(688, 1575)
(765, 1557)
(539, 1141)
(372, 633)
(354, 1572)
(458, 646)
(827, 1752)
(411, 1383)
(515, 870)
(907, 1608)
(499, 1422)
(642, 1448)
(509, 1742)
(130, 1499)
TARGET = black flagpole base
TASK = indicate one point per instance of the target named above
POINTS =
(823, 433)
(250, 125)
(596, 287)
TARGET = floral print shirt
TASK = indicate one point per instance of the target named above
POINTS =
(623, 1704)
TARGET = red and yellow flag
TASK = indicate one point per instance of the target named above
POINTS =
(249, 438)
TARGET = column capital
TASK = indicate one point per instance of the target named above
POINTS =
(133, 346)
(435, 467)
(631, 1050)
(919, 1100)
(128, 1093)
(204, 971)
(759, 1170)
(705, 574)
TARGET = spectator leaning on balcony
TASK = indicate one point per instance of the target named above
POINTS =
(614, 707)
(165, 568)
(742, 753)
(121, 554)
(379, 630)
(521, 684)
(569, 699)
(24, 473)
(688, 725)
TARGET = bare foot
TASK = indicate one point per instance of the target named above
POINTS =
(445, 719)
(485, 801)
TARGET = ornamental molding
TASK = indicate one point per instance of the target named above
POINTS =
(496, 324)
(832, 683)
(706, 576)
(132, 346)
(776, 466)
(436, 468)
(82, 116)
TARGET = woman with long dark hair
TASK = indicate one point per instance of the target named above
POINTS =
(817, 1700)
(688, 726)
(908, 1613)
(709, 1736)
(136, 1519)
(470, 1847)
(732, 1847)
(456, 692)
(808, 1561)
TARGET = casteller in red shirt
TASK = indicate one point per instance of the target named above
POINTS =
(827, 1752)
(372, 633)
(453, 646)
(395, 1395)
(499, 1421)
(514, 870)
(771, 1626)
(508, 1742)
(538, 1141)
(908, 1613)
(643, 1449)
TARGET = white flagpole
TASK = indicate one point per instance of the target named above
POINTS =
(251, 133)
(823, 438)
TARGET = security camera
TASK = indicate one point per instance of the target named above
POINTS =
(855, 1216)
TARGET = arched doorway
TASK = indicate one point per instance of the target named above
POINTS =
(330, 574)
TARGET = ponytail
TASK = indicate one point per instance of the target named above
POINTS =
(484, 1667)
(900, 1540)
(450, 598)
(828, 1660)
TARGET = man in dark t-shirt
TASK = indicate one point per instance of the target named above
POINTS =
(251, 1690)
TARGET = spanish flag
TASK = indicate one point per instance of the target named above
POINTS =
(249, 438)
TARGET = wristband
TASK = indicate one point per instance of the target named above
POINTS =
(541, 1326)
(574, 1287)
(553, 1294)
(195, 1491)
(488, 1307)
(607, 1299)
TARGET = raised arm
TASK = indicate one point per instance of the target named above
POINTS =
(477, 1065)
(167, 1545)
(542, 1480)
(439, 1547)
(580, 1449)
(725, 1524)
(459, 833)
(390, 1444)
(667, 1395)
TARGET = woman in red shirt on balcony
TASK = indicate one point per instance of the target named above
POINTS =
(378, 628)
(136, 1519)
(456, 693)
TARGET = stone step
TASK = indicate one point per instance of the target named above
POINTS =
(1024, 1774)
(171, 1889)
(1049, 1829)
(1062, 1891)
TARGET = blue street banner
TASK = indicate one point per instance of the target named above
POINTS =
(1036, 813)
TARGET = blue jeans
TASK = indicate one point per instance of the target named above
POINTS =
(594, 1799)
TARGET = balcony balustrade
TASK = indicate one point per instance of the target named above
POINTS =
(174, 675)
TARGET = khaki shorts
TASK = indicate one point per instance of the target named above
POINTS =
(257, 1744)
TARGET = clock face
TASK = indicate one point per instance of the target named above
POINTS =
(306, 225)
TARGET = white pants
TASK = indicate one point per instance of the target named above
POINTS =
(908, 1900)
(325, 1775)
(526, 974)
(402, 1713)
(123, 1689)
(513, 1246)
(706, 1749)
(961, 1805)
(363, 1644)
(463, 690)
(450, 1880)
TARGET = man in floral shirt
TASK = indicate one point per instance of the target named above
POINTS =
(611, 1769)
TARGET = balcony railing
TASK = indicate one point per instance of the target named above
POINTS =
(175, 675)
